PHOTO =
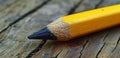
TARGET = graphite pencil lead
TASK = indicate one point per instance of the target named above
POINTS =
(43, 34)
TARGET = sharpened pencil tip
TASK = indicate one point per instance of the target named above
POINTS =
(43, 34)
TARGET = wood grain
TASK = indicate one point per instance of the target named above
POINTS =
(89, 46)
(12, 45)
(12, 11)
(14, 42)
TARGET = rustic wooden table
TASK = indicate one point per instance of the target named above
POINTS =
(20, 18)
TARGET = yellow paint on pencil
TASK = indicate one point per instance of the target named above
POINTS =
(93, 20)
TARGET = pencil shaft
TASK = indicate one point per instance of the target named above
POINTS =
(93, 20)
(68, 27)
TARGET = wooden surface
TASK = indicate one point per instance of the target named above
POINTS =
(20, 18)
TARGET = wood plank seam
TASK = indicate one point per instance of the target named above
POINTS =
(99, 3)
(83, 47)
(58, 54)
(116, 45)
(102, 45)
(100, 50)
(75, 7)
(25, 15)
(36, 49)
(106, 35)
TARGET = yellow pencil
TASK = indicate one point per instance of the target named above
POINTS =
(71, 26)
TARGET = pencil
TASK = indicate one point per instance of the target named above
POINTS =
(79, 24)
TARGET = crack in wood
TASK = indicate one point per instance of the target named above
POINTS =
(25, 15)
(36, 49)
(102, 45)
(83, 47)
(57, 54)
(66, 53)
(75, 7)
(116, 45)
(106, 35)
(99, 3)
(100, 51)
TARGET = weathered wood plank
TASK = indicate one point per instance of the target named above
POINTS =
(13, 45)
(13, 10)
(104, 44)
(110, 43)
(115, 52)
